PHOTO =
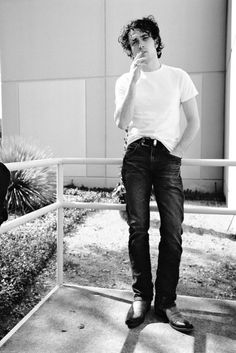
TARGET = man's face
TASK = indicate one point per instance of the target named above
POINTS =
(142, 42)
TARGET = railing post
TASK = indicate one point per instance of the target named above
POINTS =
(60, 217)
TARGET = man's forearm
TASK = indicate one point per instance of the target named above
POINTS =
(193, 124)
(188, 136)
(124, 113)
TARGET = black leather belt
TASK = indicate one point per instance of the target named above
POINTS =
(149, 142)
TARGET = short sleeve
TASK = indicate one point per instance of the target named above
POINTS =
(187, 87)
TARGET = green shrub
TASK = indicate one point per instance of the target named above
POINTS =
(23, 253)
(32, 188)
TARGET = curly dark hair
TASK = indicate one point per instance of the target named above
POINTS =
(145, 24)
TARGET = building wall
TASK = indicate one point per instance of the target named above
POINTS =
(60, 60)
(230, 106)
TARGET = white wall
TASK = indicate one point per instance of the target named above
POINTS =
(230, 111)
(56, 50)
(54, 113)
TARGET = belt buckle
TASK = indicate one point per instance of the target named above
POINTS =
(143, 142)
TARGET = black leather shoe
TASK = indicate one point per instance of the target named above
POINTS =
(175, 318)
(137, 312)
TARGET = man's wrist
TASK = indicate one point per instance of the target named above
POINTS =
(132, 83)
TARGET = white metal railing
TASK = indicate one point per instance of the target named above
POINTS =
(60, 204)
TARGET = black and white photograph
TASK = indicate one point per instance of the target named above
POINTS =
(117, 176)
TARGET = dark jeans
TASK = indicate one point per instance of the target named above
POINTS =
(147, 167)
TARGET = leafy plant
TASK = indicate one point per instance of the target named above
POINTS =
(24, 252)
(32, 188)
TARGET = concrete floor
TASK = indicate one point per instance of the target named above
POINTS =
(91, 320)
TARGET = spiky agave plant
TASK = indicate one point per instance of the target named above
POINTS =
(32, 188)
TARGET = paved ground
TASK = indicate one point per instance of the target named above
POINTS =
(91, 320)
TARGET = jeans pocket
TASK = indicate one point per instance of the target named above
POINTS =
(132, 147)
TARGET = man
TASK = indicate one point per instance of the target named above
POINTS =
(4, 182)
(148, 101)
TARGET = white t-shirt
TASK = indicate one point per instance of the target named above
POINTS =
(158, 99)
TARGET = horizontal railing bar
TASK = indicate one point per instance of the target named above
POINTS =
(111, 161)
(29, 217)
(60, 161)
(33, 164)
(185, 161)
(122, 207)
(94, 205)
(208, 162)
(209, 210)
